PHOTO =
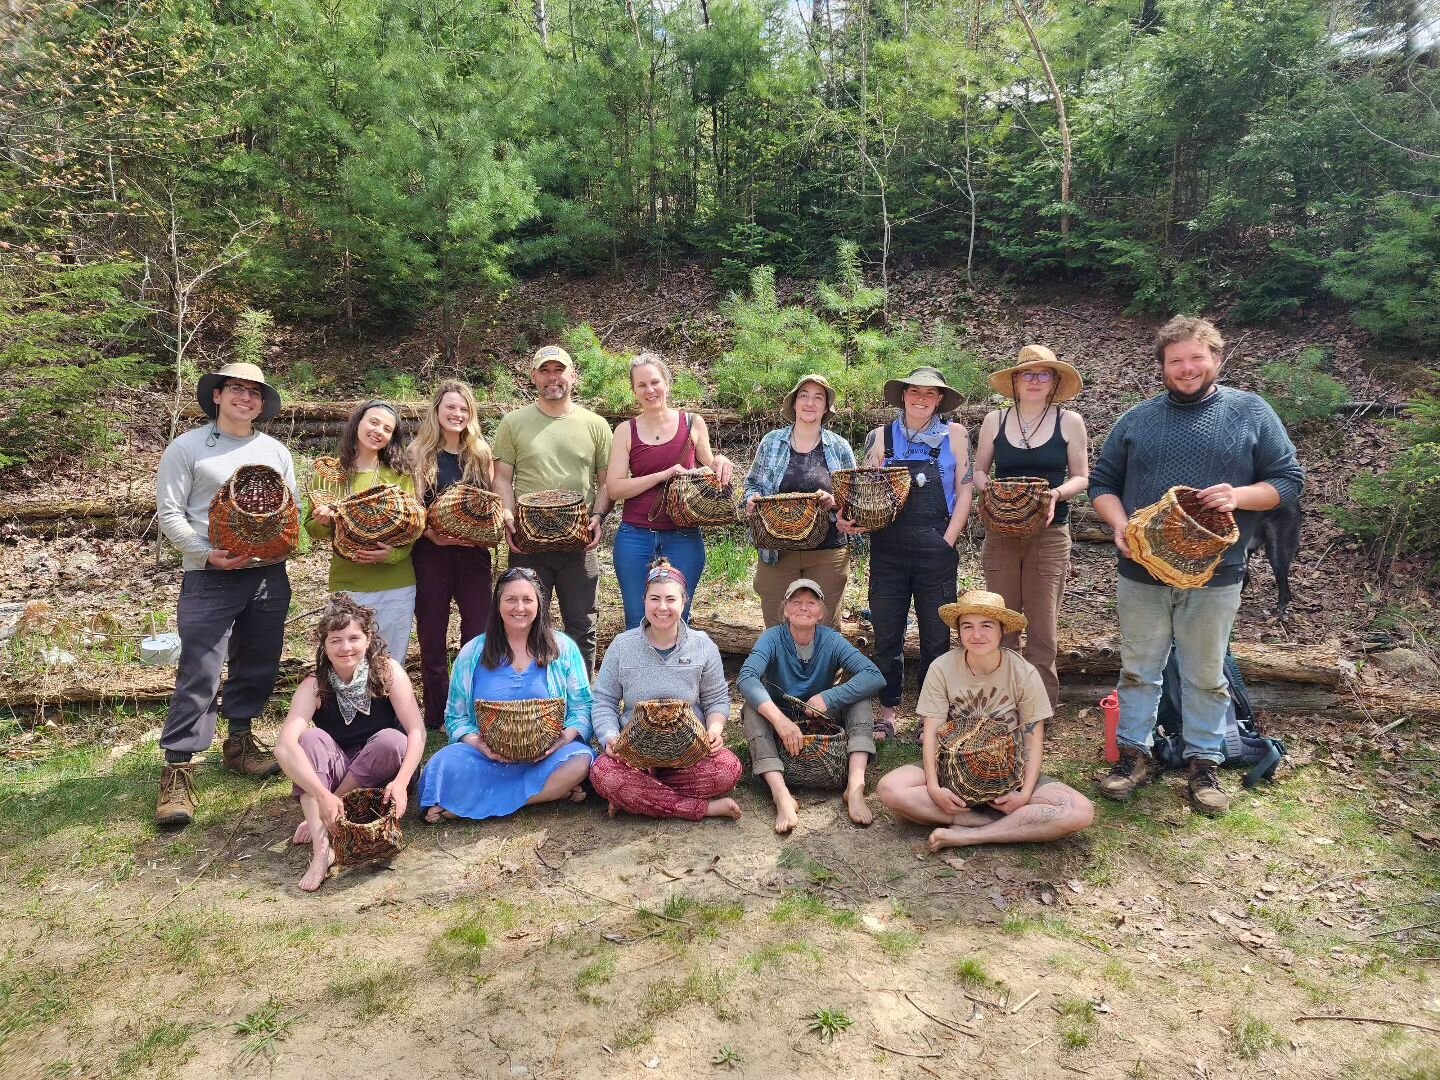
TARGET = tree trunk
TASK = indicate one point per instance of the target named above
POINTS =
(1059, 113)
(542, 23)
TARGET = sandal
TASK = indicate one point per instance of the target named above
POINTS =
(883, 729)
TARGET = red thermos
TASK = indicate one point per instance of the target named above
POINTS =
(1111, 706)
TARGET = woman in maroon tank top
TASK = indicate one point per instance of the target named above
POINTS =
(647, 451)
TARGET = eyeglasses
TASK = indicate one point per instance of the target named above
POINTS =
(240, 390)
(1042, 375)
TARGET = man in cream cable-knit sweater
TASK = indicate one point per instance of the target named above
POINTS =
(1229, 444)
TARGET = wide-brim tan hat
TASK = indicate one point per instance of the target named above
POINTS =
(1038, 356)
(988, 605)
(208, 384)
(950, 398)
(788, 408)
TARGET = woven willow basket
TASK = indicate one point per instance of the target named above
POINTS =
(978, 758)
(824, 757)
(663, 734)
(254, 514)
(366, 829)
(327, 483)
(1179, 541)
(521, 730)
(1016, 505)
(383, 515)
(552, 521)
(468, 512)
(694, 498)
(871, 497)
(793, 522)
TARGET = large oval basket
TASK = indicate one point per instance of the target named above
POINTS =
(1015, 505)
(978, 758)
(366, 829)
(328, 484)
(824, 757)
(694, 498)
(792, 522)
(1179, 541)
(552, 521)
(521, 730)
(871, 497)
(468, 512)
(254, 514)
(663, 734)
(380, 516)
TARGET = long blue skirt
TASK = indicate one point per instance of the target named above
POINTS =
(465, 782)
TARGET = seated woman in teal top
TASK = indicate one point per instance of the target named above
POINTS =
(467, 779)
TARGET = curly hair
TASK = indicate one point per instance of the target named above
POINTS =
(1185, 327)
(339, 612)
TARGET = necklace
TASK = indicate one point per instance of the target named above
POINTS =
(1027, 430)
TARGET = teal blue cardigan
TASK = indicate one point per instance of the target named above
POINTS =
(566, 679)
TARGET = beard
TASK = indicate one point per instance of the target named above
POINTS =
(1181, 398)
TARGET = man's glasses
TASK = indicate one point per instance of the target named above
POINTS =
(240, 390)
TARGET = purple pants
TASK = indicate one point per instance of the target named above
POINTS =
(373, 765)
(443, 574)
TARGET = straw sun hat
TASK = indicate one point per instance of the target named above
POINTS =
(1031, 358)
(987, 605)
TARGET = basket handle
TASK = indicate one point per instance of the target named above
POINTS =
(664, 493)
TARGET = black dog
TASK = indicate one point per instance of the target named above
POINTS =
(1279, 534)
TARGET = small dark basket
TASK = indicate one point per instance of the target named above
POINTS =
(1016, 505)
(663, 734)
(824, 757)
(328, 483)
(871, 497)
(366, 829)
(552, 521)
(254, 514)
(694, 498)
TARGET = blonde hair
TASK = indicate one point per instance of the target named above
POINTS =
(476, 461)
(1183, 328)
(650, 359)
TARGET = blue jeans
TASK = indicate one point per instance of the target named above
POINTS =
(637, 548)
(1198, 622)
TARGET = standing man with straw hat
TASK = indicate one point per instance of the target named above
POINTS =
(231, 607)
(1230, 445)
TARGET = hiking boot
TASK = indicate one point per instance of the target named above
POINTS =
(244, 754)
(1134, 768)
(176, 805)
(1206, 794)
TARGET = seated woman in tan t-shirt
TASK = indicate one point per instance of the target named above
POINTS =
(980, 679)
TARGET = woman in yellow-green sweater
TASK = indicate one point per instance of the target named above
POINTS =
(381, 578)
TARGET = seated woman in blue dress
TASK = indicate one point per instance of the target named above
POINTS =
(517, 658)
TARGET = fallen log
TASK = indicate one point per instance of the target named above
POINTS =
(27, 511)
(1374, 703)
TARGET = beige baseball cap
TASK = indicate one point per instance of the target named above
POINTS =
(804, 583)
(551, 354)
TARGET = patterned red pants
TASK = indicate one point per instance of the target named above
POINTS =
(665, 793)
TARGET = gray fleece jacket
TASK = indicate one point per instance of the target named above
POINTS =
(634, 671)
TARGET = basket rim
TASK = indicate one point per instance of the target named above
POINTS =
(1173, 496)
(551, 498)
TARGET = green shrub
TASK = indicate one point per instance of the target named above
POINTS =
(605, 376)
(1399, 509)
(1301, 392)
(1393, 278)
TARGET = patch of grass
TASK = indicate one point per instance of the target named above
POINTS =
(1078, 1026)
(463, 946)
(1118, 974)
(636, 1034)
(263, 1030)
(825, 1024)
(598, 972)
(371, 987)
(206, 941)
(1250, 1037)
(727, 1058)
(800, 906)
(706, 917)
(1017, 924)
(666, 996)
(897, 943)
(786, 955)
(729, 559)
(969, 972)
(166, 1043)
(794, 858)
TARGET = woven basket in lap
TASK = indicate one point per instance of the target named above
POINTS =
(521, 730)
(871, 497)
(254, 514)
(366, 829)
(383, 515)
(824, 757)
(978, 758)
(663, 734)
(552, 521)
(1015, 505)
(468, 512)
(327, 482)
(1179, 541)
(793, 522)
(694, 498)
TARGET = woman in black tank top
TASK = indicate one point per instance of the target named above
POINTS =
(354, 723)
(1034, 436)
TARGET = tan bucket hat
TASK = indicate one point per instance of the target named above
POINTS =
(208, 384)
(950, 398)
(988, 605)
(788, 408)
(1038, 356)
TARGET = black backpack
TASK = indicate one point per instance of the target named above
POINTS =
(1245, 747)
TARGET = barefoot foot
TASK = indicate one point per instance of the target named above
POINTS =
(613, 809)
(302, 834)
(727, 808)
(436, 813)
(787, 814)
(321, 864)
(941, 839)
(858, 808)
(577, 794)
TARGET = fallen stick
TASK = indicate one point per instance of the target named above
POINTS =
(1375, 1020)
(1354, 873)
(622, 904)
(713, 869)
(1026, 1001)
(1402, 929)
(951, 1024)
(905, 1053)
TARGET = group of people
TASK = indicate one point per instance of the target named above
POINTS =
(356, 722)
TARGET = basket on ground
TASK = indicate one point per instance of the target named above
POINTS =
(327, 483)
(791, 522)
(380, 516)
(552, 521)
(694, 498)
(662, 734)
(871, 497)
(824, 757)
(468, 512)
(366, 829)
(1178, 540)
(1015, 505)
(254, 514)
(521, 730)
(978, 758)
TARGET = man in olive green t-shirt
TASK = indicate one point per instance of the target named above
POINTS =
(557, 444)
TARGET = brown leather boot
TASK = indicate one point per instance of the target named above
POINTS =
(244, 754)
(1134, 768)
(176, 805)
(1206, 794)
